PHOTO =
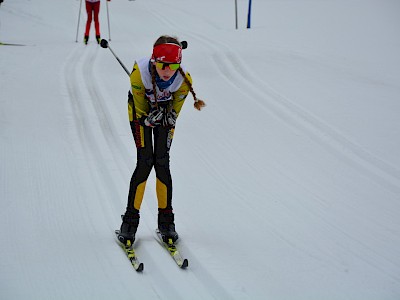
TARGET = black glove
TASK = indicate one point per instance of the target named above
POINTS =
(169, 119)
(154, 118)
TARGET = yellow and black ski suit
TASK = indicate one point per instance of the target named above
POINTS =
(152, 143)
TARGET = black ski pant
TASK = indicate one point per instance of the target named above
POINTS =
(153, 145)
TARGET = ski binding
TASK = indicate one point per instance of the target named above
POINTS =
(130, 253)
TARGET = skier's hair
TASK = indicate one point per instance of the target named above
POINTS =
(198, 104)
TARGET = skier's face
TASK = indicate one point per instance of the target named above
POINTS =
(165, 70)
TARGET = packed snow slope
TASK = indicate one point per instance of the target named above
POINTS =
(287, 186)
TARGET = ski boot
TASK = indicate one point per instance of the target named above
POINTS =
(130, 223)
(98, 39)
(86, 39)
(166, 225)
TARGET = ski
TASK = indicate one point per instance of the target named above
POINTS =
(173, 250)
(10, 44)
(130, 253)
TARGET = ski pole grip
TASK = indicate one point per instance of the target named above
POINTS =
(104, 43)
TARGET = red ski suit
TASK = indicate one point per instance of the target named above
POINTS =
(92, 9)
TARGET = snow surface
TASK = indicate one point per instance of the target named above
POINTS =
(287, 186)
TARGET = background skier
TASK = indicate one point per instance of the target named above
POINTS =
(92, 9)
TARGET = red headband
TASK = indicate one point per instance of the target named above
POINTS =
(168, 52)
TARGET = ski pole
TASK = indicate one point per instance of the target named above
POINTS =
(79, 18)
(104, 44)
(108, 20)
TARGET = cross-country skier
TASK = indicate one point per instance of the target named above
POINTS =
(159, 86)
(92, 9)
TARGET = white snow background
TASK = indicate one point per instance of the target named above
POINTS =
(286, 186)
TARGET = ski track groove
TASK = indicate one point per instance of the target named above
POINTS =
(321, 133)
(235, 72)
(84, 128)
(109, 132)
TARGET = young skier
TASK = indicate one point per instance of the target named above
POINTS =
(159, 86)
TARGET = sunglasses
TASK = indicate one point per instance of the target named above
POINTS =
(172, 66)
